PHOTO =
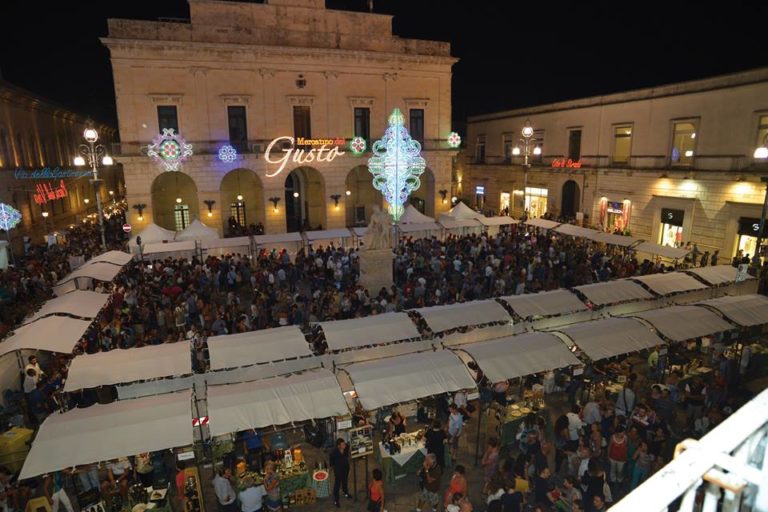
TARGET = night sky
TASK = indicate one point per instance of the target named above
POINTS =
(513, 54)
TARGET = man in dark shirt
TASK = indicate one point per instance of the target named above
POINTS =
(512, 500)
(339, 461)
(430, 475)
(435, 442)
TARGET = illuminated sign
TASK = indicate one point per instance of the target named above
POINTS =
(227, 154)
(563, 163)
(45, 192)
(169, 149)
(304, 151)
(9, 217)
(49, 174)
(480, 190)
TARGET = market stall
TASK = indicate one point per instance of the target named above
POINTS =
(52, 333)
(685, 288)
(257, 347)
(176, 250)
(576, 231)
(467, 322)
(369, 331)
(196, 231)
(494, 224)
(681, 323)
(114, 257)
(83, 277)
(743, 310)
(613, 239)
(79, 303)
(617, 297)
(291, 242)
(547, 309)
(650, 250)
(541, 223)
(611, 337)
(338, 237)
(725, 280)
(222, 246)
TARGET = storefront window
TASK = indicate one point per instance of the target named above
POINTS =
(671, 227)
(615, 216)
(746, 245)
(762, 132)
(683, 143)
(504, 202)
(622, 144)
(536, 201)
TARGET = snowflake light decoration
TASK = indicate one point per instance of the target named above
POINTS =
(169, 149)
(227, 153)
(9, 217)
(454, 139)
(396, 164)
(357, 145)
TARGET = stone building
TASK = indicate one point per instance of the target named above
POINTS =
(240, 81)
(669, 164)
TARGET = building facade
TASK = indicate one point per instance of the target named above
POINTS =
(38, 142)
(669, 165)
(269, 97)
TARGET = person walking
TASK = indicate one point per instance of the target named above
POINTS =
(225, 493)
(339, 461)
(435, 440)
(618, 449)
(376, 492)
(429, 476)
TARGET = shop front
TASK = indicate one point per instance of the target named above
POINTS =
(671, 232)
(748, 231)
(536, 201)
(615, 215)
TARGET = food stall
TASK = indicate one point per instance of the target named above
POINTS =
(401, 455)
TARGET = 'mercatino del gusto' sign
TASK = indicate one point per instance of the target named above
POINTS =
(302, 151)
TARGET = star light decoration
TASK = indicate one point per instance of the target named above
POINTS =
(396, 164)
(169, 149)
(454, 140)
(9, 217)
(357, 145)
(227, 154)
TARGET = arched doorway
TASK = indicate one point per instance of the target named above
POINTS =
(305, 200)
(570, 204)
(362, 196)
(242, 201)
(174, 201)
(423, 198)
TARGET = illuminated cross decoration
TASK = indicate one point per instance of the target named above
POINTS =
(9, 217)
(169, 149)
(396, 164)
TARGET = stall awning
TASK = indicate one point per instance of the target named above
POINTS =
(52, 333)
(114, 257)
(669, 283)
(611, 337)
(664, 251)
(451, 316)
(82, 304)
(501, 220)
(426, 226)
(131, 365)
(226, 243)
(612, 239)
(545, 304)
(278, 238)
(105, 432)
(459, 223)
(681, 323)
(720, 274)
(99, 271)
(573, 230)
(408, 377)
(542, 223)
(257, 347)
(314, 394)
(185, 246)
(744, 310)
(613, 292)
(327, 234)
(518, 356)
(371, 330)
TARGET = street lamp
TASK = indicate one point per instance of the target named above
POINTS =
(91, 154)
(527, 141)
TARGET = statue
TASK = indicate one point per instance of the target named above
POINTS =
(379, 235)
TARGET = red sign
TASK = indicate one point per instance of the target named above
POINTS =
(127, 228)
(46, 192)
(562, 162)
(196, 422)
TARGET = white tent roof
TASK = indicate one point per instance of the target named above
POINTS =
(425, 226)
(451, 316)
(279, 238)
(744, 310)
(105, 432)
(413, 216)
(500, 220)
(544, 304)
(408, 377)
(197, 231)
(52, 333)
(328, 234)
(122, 366)
(261, 371)
(611, 337)
(671, 282)
(720, 274)
(613, 292)
(162, 247)
(518, 356)
(449, 223)
(83, 304)
(460, 211)
(153, 233)
(612, 239)
(371, 330)
(664, 251)
(680, 323)
(573, 230)
(114, 257)
(310, 395)
(239, 241)
(542, 223)
(257, 347)
(98, 271)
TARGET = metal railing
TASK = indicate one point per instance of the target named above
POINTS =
(725, 470)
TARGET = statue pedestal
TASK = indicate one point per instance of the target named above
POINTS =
(376, 269)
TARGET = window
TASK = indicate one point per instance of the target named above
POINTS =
(508, 143)
(480, 149)
(33, 156)
(238, 127)
(363, 123)
(762, 131)
(167, 118)
(302, 126)
(622, 144)
(5, 150)
(683, 142)
(237, 210)
(574, 145)
(20, 156)
(538, 146)
(181, 216)
(416, 121)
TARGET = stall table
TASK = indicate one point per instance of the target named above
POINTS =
(514, 414)
(290, 481)
(407, 462)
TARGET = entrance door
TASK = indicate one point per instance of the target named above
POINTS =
(570, 199)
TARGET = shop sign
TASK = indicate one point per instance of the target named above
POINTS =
(46, 192)
(559, 163)
(672, 217)
(302, 151)
(49, 174)
(614, 207)
(750, 227)
(480, 190)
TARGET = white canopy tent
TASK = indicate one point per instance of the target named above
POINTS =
(52, 333)
(542, 223)
(499, 220)
(152, 234)
(518, 356)
(197, 231)
(408, 377)
(340, 237)
(717, 275)
(162, 250)
(611, 337)
(613, 239)
(544, 304)
(257, 347)
(371, 330)
(114, 257)
(681, 323)
(573, 230)
(451, 316)
(423, 230)
(460, 211)
(613, 292)
(672, 253)
(413, 216)
(460, 224)
(99, 271)
(222, 246)
(123, 366)
(105, 432)
(292, 242)
(313, 394)
(744, 310)
(261, 371)
(79, 303)
(669, 283)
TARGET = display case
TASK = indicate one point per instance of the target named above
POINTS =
(360, 441)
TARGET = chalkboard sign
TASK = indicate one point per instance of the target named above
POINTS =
(360, 441)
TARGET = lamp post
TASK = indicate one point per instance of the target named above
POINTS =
(94, 153)
(527, 141)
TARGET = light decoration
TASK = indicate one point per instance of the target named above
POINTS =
(9, 217)
(358, 146)
(169, 149)
(227, 154)
(454, 140)
(396, 164)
